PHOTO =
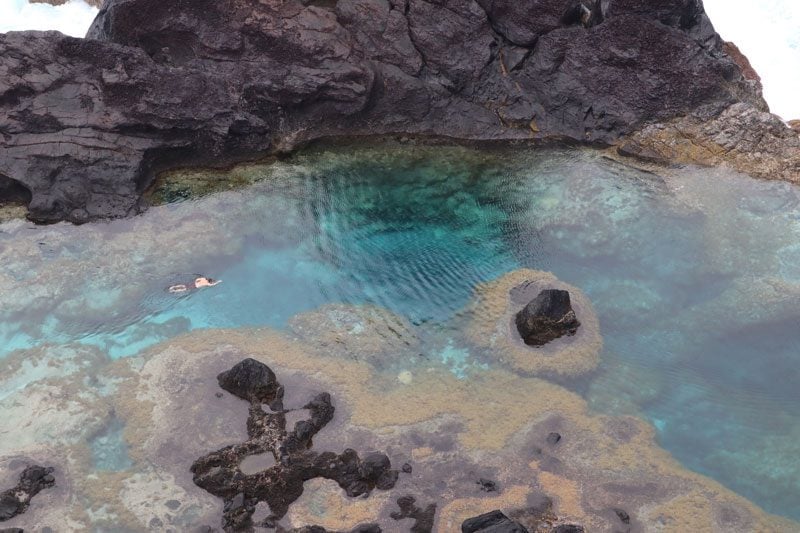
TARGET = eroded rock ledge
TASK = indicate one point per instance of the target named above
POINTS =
(86, 123)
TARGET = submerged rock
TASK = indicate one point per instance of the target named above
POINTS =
(547, 317)
(162, 84)
(32, 481)
(280, 485)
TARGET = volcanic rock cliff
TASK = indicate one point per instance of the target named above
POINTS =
(85, 124)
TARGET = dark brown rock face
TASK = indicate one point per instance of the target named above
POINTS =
(546, 318)
(86, 123)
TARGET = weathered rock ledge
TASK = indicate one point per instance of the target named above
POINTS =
(85, 124)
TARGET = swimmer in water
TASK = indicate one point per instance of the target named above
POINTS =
(198, 283)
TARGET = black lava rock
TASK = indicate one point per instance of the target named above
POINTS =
(407, 468)
(546, 318)
(33, 480)
(374, 465)
(148, 91)
(253, 381)
(492, 522)
(280, 485)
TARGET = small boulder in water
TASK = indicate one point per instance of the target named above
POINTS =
(253, 381)
(546, 318)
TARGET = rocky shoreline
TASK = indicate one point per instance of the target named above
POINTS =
(86, 124)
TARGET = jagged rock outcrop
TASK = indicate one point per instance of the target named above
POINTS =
(86, 124)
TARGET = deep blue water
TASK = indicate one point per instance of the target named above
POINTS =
(695, 278)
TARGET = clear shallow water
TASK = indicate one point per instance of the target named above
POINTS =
(695, 278)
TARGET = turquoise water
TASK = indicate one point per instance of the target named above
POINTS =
(695, 276)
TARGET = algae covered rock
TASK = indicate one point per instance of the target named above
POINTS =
(547, 317)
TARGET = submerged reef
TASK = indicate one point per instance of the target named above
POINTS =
(493, 326)
(537, 442)
(87, 124)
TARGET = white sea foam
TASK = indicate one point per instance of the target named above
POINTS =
(767, 31)
(72, 18)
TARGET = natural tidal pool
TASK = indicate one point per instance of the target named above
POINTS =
(694, 275)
